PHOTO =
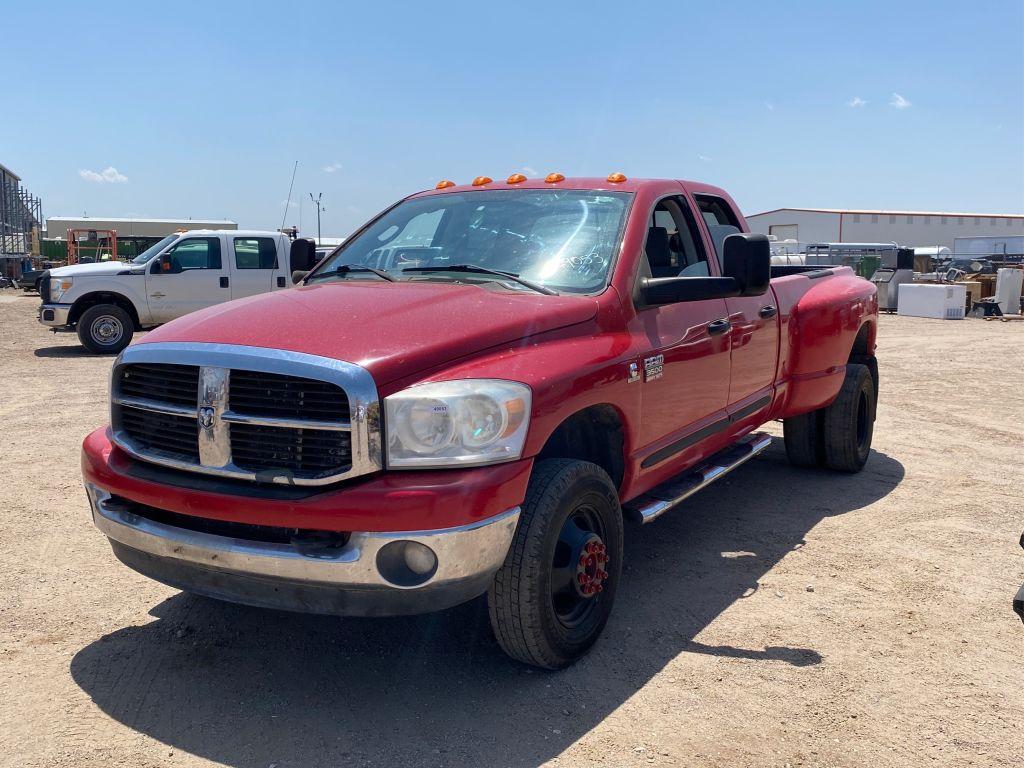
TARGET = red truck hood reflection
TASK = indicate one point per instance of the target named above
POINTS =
(392, 329)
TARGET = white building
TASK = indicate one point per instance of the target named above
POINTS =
(908, 228)
(57, 226)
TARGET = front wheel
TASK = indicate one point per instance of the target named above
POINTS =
(550, 600)
(105, 329)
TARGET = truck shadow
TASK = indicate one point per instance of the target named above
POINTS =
(249, 687)
(66, 351)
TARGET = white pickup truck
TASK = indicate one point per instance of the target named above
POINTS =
(107, 302)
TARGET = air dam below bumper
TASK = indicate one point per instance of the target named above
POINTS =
(345, 580)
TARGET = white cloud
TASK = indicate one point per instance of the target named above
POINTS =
(530, 171)
(769, 106)
(332, 168)
(898, 101)
(291, 204)
(856, 101)
(704, 158)
(109, 175)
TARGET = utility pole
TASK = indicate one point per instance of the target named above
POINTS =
(316, 202)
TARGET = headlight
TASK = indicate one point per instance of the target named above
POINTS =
(457, 423)
(58, 287)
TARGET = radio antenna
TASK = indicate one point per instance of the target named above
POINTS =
(288, 202)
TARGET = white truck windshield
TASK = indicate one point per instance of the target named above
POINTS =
(154, 249)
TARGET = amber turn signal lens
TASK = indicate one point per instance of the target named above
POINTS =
(479, 181)
(444, 184)
(616, 178)
(554, 178)
(516, 178)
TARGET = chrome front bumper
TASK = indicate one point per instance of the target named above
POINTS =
(54, 315)
(346, 580)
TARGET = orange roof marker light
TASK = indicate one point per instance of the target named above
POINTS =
(479, 181)
(616, 178)
(554, 178)
(444, 184)
(515, 178)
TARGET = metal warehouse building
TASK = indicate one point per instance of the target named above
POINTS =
(909, 228)
(57, 226)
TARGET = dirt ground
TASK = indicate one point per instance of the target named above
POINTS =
(784, 617)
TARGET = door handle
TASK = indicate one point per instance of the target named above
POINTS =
(721, 325)
(280, 281)
(768, 311)
(224, 282)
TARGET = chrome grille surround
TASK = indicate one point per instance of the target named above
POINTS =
(215, 362)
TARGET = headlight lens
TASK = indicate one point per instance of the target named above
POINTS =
(58, 287)
(457, 423)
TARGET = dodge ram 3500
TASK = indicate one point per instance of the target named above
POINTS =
(470, 396)
(107, 302)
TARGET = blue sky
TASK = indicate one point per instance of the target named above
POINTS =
(200, 110)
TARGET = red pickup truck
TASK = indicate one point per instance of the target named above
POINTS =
(470, 396)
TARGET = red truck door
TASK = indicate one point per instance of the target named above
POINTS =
(755, 321)
(685, 363)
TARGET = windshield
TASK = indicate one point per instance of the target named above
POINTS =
(154, 249)
(561, 239)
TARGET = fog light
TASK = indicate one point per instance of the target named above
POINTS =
(406, 563)
(420, 558)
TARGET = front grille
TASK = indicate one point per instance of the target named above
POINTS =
(308, 452)
(163, 432)
(178, 384)
(44, 287)
(271, 425)
(272, 394)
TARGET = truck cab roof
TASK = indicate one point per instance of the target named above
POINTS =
(594, 183)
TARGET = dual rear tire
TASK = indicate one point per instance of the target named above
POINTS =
(838, 436)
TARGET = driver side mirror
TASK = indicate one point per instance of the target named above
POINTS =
(747, 259)
(746, 270)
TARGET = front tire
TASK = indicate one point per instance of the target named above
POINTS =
(552, 597)
(105, 329)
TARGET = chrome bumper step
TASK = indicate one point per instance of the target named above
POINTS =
(675, 490)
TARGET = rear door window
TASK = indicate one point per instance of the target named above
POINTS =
(255, 253)
(720, 219)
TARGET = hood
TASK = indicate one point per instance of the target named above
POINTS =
(99, 269)
(391, 329)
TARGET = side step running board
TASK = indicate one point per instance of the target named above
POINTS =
(664, 497)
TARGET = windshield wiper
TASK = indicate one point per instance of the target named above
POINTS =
(344, 269)
(485, 271)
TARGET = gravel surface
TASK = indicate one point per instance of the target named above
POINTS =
(784, 617)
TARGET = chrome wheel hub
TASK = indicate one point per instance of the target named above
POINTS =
(107, 329)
